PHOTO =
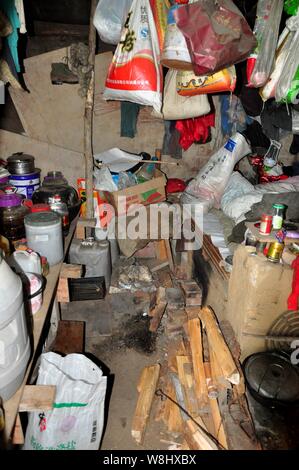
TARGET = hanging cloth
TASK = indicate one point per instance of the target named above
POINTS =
(8, 7)
(19, 4)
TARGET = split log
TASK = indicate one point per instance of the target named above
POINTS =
(219, 346)
(194, 329)
(196, 438)
(147, 387)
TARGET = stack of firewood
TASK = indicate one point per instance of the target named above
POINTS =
(198, 391)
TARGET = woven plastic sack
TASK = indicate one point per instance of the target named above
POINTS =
(181, 107)
(135, 73)
(209, 185)
(76, 420)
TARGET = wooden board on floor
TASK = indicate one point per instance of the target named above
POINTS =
(146, 387)
(70, 337)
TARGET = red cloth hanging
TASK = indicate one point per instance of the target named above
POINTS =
(195, 130)
(293, 300)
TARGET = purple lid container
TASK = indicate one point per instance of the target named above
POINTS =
(10, 200)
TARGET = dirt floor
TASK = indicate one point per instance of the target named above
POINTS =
(118, 339)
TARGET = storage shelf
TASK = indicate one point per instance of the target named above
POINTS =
(11, 406)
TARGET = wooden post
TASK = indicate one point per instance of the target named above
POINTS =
(88, 116)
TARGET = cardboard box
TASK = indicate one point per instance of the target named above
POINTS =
(150, 192)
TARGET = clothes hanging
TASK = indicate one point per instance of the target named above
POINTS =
(129, 116)
(9, 8)
(19, 4)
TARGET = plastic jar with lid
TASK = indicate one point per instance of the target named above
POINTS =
(278, 216)
(44, 235)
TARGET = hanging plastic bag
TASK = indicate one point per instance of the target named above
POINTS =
(209, 185)
(268, 91)
(76, 420)
(135, 73)
(175, 53)
(266, 30)
(181, 107)
(189, 84)
(291, 63)
(216, 33)
(109, 18)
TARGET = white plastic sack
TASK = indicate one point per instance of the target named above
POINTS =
(208, 186)
(109, 18)
(76, 420)
(135, 73)
(238, 197)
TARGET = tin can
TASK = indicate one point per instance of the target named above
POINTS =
(275, 252)
(266, 224)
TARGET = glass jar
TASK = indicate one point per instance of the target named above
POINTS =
(61, 209)
(278, 216)
(266, 224)
(12, 213)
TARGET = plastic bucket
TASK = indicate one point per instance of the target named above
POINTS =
(35, 287)
(26, 184)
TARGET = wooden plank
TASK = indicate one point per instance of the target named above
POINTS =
(217, 375)
(161, 252)
(194, 329)
(218, 424)
(212, 388)
(73, 271)
(192, 293)
(69, 338)
(196, 438)
(18, 435)
(185, 374)
(150, 377)
(174, 422)
(37, 398)
(63, 294)
(46, 28)
(218, 344)
(83, 223)
(157, 314)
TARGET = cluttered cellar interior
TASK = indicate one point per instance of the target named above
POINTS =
(149, 225)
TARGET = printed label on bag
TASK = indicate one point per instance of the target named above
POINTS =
(230, 145)
(94, 432)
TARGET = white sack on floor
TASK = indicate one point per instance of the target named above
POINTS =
(77, 418)
(208, 186)
(240, 195)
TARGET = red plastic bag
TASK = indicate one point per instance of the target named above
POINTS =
(216, 33)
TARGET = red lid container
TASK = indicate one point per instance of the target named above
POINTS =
(40, 208)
